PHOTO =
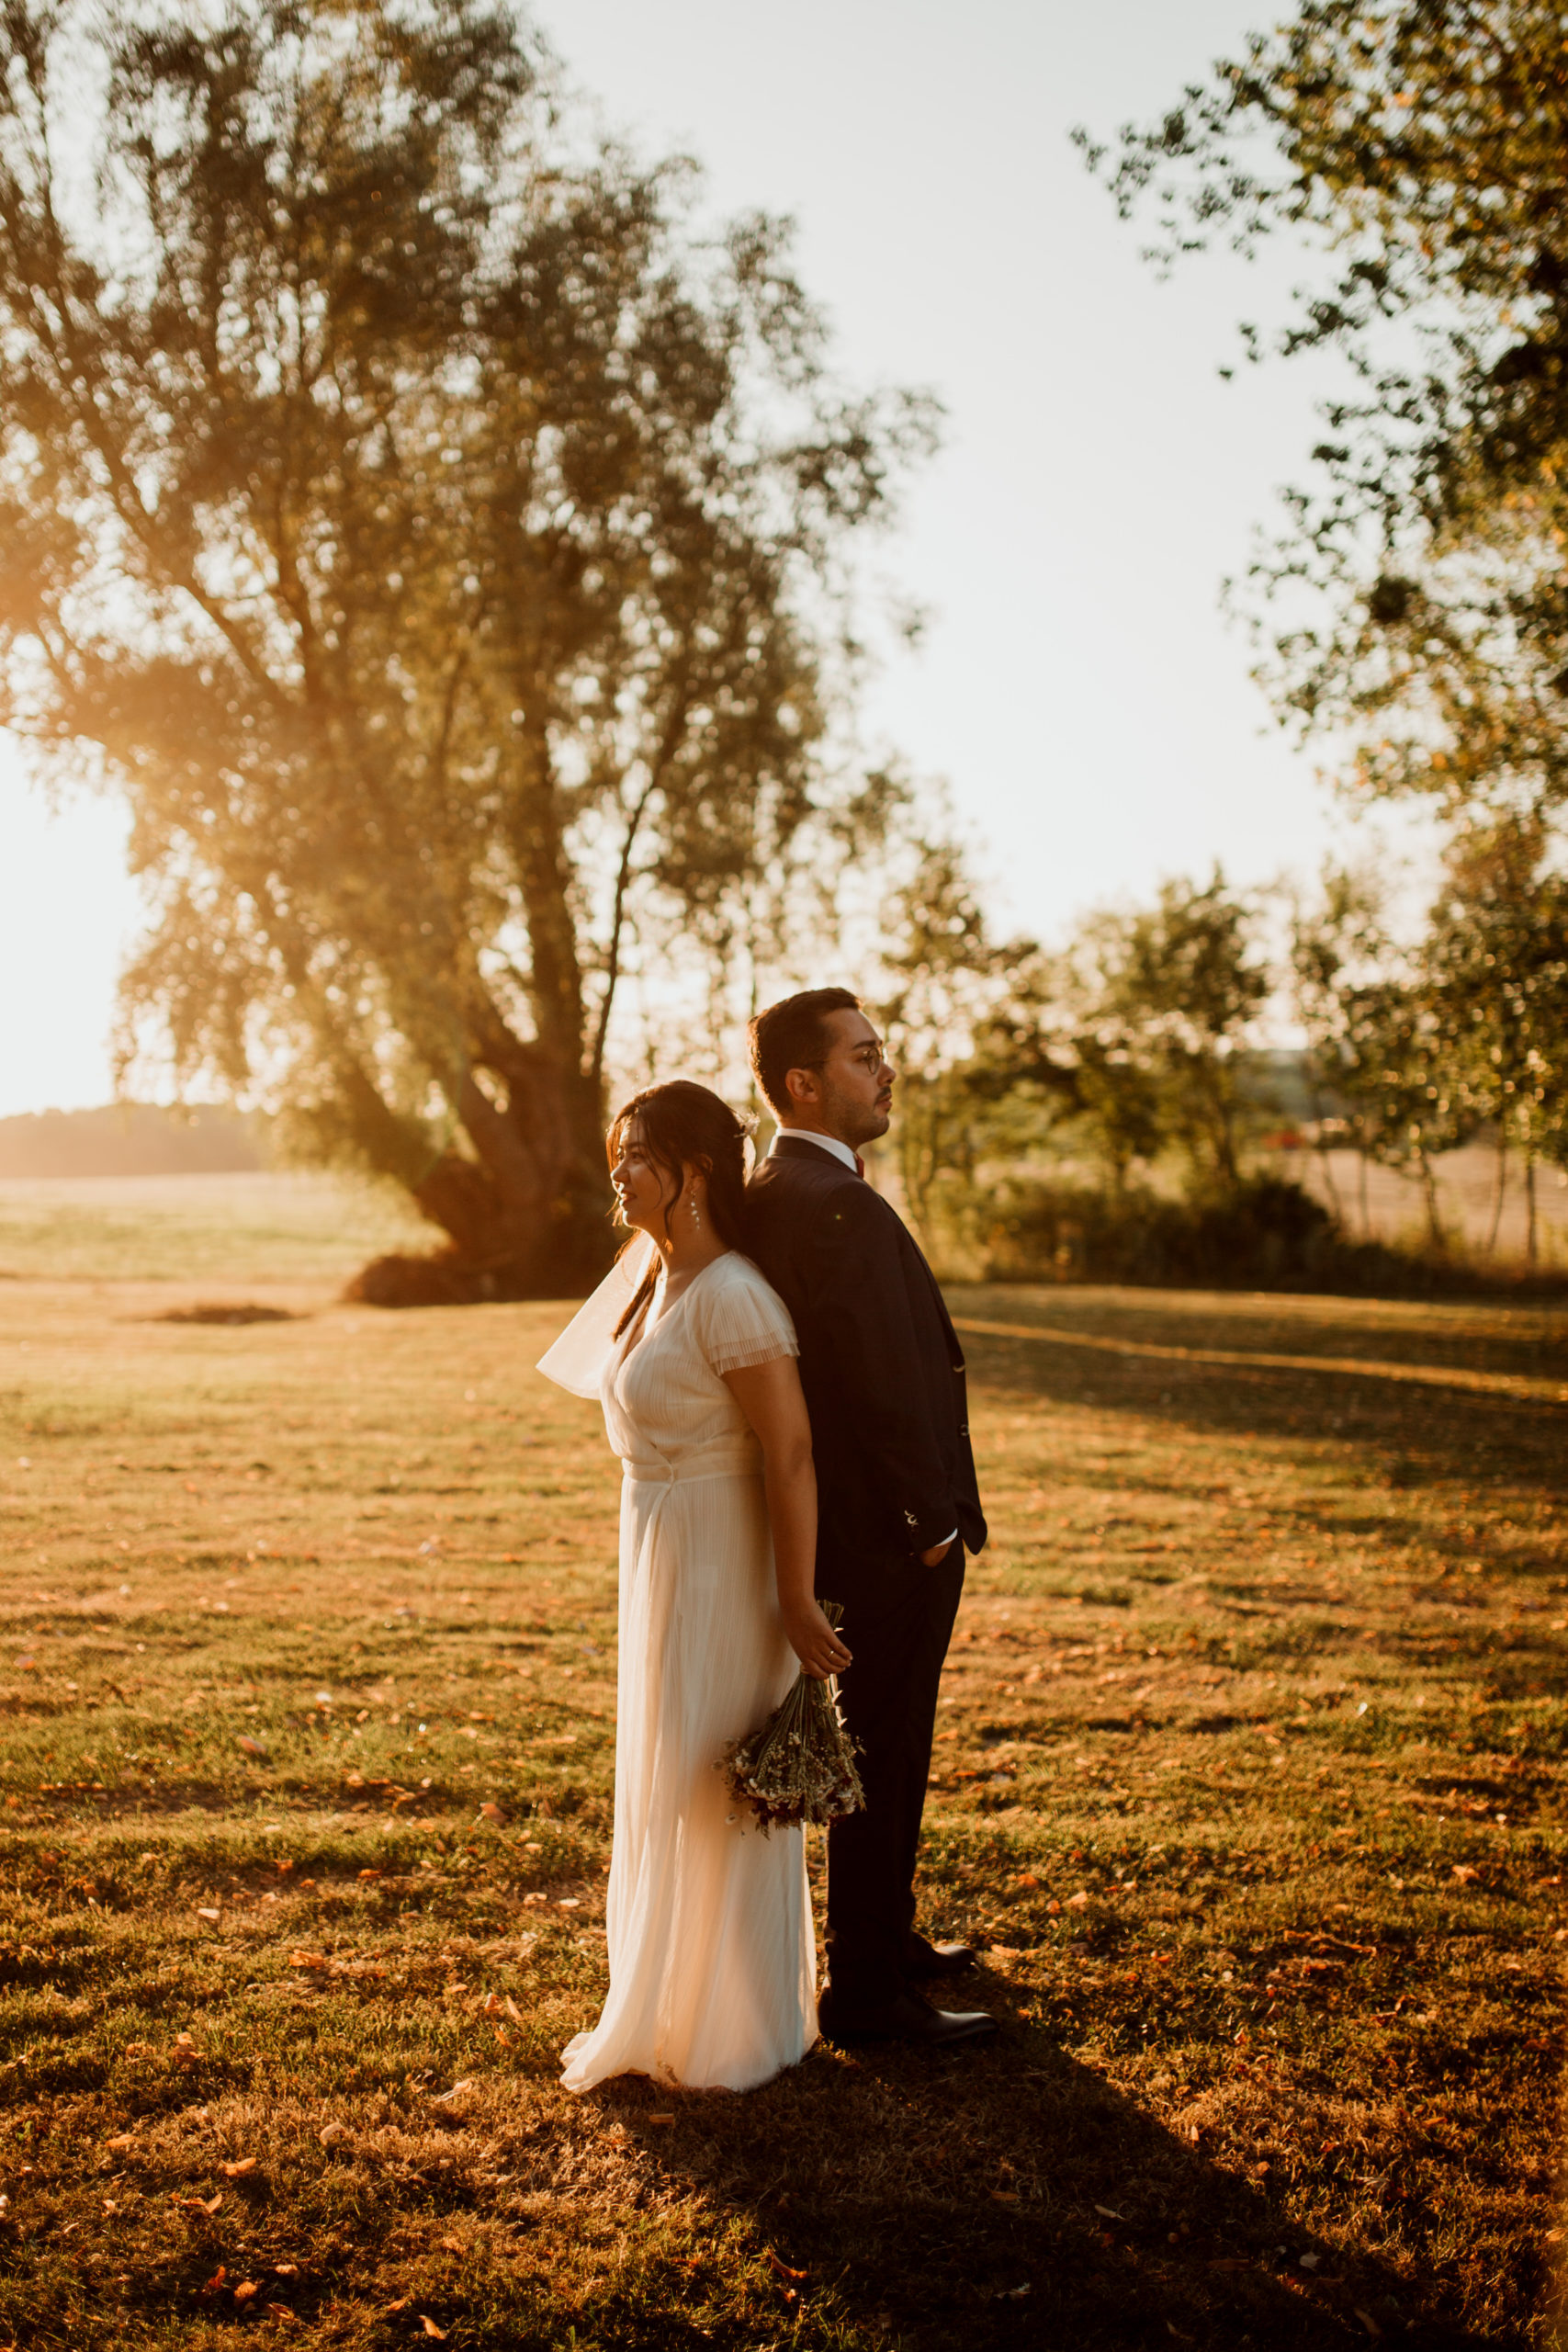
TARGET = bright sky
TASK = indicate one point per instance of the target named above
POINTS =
(1078, 689)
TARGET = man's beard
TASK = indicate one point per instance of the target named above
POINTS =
(856, 1123)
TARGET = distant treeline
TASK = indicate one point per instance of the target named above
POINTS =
(1105, 1109)
(131, 1139)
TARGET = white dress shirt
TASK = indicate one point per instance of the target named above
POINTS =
(824, 1143)
(840, 1151)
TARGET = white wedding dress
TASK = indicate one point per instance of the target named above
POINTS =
(712, 1958)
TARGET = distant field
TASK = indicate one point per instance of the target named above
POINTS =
(1250, 1784)
(233, 1228)
(1379, 1203)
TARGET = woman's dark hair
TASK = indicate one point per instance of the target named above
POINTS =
(683, 1124)
(793, 1035)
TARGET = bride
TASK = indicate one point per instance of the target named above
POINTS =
(691, 1354)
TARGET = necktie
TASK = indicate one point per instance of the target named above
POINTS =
(860, 1165)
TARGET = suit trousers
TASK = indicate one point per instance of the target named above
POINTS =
(898, 1634)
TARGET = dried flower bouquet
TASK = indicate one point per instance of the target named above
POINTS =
(801, 1765)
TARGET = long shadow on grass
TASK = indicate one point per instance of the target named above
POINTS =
(1498, 1338)
(1011, 2199)
(1427, 1434)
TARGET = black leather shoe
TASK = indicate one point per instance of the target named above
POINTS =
(909, 2018)
(922, 1959)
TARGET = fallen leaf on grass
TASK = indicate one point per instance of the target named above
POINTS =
(512, 2011)
(307, 1960)
(452, 2245)
(1111, 2213)
(214, 1915)
(246, 2289)
(333, 2133)
(286, 2270)
(281, 2310)
(1009, 2197)
(369, 1873)
(1076, 1902)
(249, 1746)
(237, 2170)
(121, 2140)
(431, 2329)
(215, 2284)
(1464, 1873)
(663, 2116)
(492, 1813)
(456, 2090)
(782, 2270)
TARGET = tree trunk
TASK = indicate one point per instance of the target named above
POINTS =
(525, 1208)
(1530, 1236)
(1497, 1197)
(1430, 1190)
(1326, 1159)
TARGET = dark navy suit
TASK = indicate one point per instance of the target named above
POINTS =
(883, 1376)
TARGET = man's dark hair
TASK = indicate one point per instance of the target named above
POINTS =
(793, 1035)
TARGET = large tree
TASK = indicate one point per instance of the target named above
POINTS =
(441, 543)
(1420, 147)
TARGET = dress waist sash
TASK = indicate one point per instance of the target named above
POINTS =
(727, 1458)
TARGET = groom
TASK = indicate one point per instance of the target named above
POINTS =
(897, 1496)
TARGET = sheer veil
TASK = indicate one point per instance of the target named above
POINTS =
(576, 1360)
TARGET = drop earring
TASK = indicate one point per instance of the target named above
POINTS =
(696, 1213)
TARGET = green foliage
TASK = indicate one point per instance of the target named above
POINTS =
(1420, 145)
(1263, 1233)
(439, 540)
(1175, 986)
(943, 976)
(1467, 1028)
(1499, 949)
(1126, 1046)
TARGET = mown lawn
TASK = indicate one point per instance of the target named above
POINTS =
(1249, 1782)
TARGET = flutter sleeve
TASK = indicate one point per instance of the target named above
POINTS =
(577, 1359)
(742, 1321)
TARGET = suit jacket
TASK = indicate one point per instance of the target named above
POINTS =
(880, 1364)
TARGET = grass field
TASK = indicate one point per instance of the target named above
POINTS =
(1249, 1782)
(231, 1228)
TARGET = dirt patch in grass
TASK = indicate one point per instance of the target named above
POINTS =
(245, 1313)
(1248, 1784)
